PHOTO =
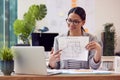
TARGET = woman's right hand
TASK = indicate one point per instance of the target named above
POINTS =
(54, 57)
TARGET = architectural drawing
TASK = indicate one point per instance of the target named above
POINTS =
(73, 48)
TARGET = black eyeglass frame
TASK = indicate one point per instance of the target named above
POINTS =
(75, 22)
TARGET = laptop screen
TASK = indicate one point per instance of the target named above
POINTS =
(43, 39)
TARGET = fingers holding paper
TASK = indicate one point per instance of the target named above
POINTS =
(54, 57)
(93, 45)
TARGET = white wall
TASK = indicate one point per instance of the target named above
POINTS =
(57, 13)
(100, 11)
(108, 11)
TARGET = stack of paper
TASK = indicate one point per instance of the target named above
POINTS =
(81, 71)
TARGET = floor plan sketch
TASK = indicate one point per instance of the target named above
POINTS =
(73, 48)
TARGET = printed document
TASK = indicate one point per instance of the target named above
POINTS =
(73, 48)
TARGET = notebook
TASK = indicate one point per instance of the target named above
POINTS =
(31, 60)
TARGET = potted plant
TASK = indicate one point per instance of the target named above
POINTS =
(109, 39)
(23, 28)
(6, 60)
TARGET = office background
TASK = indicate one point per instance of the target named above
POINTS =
(99, 12)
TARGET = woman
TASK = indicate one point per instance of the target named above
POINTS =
(76, 20)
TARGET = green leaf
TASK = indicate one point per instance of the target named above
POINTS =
(6, 54)
(24, 27)
(18, 26)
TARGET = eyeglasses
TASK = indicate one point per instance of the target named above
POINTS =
(75, 22)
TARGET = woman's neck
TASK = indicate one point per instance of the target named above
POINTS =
(75, 33)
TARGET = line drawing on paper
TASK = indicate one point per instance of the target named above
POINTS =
(74, 48)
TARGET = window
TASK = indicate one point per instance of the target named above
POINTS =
(8, 13)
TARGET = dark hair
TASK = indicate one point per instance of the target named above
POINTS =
(78, 10)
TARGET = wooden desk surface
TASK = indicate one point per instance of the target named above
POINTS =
(63, 77)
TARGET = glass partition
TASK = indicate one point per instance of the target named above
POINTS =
(8, 13)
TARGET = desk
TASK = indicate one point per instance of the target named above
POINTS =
(63, 77)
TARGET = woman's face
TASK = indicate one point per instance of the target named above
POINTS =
(74, 22)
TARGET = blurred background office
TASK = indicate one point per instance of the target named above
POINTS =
(98, 12)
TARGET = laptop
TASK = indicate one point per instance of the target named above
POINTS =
(31, 60)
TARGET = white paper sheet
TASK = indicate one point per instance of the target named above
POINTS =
(117, 64)
(85, 71)
(80, 71)
(73, 48)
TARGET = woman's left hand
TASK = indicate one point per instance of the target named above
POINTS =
(93, 45)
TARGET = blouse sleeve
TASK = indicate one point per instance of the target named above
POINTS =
(92, 63)
(55, 46)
